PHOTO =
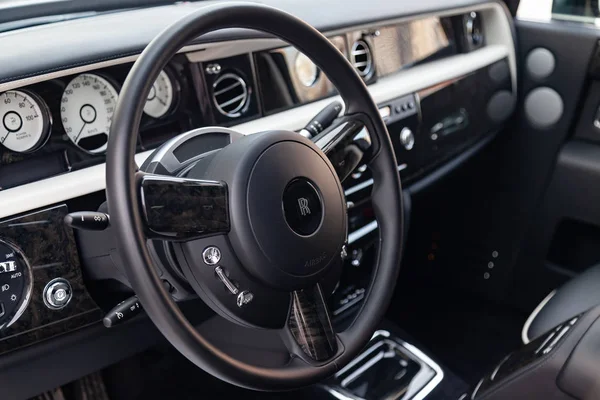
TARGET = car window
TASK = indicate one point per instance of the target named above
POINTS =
(581, 8)
(586, 11)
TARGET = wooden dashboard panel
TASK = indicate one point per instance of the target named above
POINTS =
(49, 246)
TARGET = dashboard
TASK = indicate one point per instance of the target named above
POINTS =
(62, 125)
(445, 83)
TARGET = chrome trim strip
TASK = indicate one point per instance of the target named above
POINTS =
(359, 371)
(493, 375)
(194, 53)
(545, 342)
(92, 179)
(498, 32)
(435, 381)
(368, 183)
(477, 388)
(361, 232)
(533, 315)
(359, 187)
(349, 305)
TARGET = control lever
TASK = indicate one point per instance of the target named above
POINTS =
(88, 220)
(124, 311)
(322, 120)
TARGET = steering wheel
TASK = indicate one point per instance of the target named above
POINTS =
(259, 224)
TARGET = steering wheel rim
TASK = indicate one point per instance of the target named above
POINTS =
(126, 211)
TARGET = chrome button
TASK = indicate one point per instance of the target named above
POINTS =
(244, 298)
(211, 255)
(57, 294)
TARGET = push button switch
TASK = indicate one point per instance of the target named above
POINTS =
(244, 298)
(57, 294)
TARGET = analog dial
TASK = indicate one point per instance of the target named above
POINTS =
(87, 107)
(25, 121)
(160, 97)
(306, 71)
(15, 283)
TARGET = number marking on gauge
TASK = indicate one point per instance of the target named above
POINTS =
(88, 104)
(25, 121)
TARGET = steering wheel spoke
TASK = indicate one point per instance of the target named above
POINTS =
(347, 143)
(309, 333)
(181, 209)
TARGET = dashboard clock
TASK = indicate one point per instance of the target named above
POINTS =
(306, 71)
(87, 106)
(25, 121)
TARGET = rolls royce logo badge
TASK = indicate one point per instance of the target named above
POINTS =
(303, 205)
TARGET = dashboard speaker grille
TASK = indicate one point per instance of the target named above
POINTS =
(230, 94)
(361, 58)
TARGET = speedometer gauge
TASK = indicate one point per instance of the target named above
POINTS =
(160, 97)
(25, 121)
(87, 106)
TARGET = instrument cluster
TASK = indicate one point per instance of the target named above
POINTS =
(63, 124)
(87, 105)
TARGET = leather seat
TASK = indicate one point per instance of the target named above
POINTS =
(574, 297)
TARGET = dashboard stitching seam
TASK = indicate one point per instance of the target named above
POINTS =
(63, 67)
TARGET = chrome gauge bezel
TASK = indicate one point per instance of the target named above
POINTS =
(111, 84)
(302, 61)
(45, 114)
(175, 97)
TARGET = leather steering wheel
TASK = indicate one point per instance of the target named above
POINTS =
(258, 225)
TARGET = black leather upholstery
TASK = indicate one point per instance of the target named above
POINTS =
(574, 297)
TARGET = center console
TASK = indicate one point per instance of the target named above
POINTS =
(561, 364)
(389, 368)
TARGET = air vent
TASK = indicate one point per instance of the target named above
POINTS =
(361, 59)
(231, 95)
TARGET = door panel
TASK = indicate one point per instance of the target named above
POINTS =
(564, 236)
(493, 229)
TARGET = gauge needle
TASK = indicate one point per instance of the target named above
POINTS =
(161, 101)
(4, 138)
(79, 134)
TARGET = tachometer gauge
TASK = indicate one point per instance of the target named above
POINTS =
(160, 98)
(25, 121)
(87, 106)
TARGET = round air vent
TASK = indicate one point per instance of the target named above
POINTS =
(231, 94)
(361, 58)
